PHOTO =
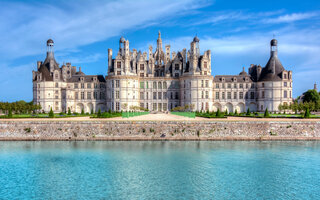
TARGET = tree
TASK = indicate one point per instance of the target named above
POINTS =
(226, 112)
(91, 111)
(266, 113)
(10, 113)
(307, 113)
(218, 114)
(82, 111)
(311, 96)
(236, 112)
(69, 111)
(248, 112)
(51, 114)
(99, 113)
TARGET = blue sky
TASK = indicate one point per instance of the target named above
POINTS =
(237, 33)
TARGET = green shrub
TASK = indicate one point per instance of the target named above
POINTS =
(266, 113)
(307, 113)
(248, 112)
(69, 111)
(10, 113)
(218, 114)
(99, 113)
(82, 112)
(236, 112)
(51, 114)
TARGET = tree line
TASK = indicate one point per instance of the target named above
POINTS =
(19, 107)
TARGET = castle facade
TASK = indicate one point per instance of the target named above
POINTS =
(160, 80)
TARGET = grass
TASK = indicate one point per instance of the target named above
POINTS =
(185, 114)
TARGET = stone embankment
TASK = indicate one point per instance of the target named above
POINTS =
(159, 130)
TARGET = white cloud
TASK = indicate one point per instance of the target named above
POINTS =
(292, 17)
(75, 23)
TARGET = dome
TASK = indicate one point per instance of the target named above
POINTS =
(50, 41)
(122, 39)
(243, 73)
(196, 39)
(274, 42)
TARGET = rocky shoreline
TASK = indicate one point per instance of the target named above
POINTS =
(159, 130)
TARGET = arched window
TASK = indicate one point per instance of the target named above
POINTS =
(154, 85)
(164, 85)
(159, 85)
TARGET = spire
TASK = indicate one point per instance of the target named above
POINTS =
(315, 87)
(159, 35)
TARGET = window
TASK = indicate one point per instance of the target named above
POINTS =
(207, 95)
(101, 85)
(76, 85)
(147, 95)
(252, 95)
(241, 85)
(159, 95)
(240, 95)
(141, 67)
(165, 85)
(154, 106)
(176, 75)
(159, 85)
(117, 83)
(159, 106)
(165, 106)
(177, 95)
(89, 95)
(285, 84)
(141, 74)
(235, 95)
(262, 84)
(102, 95)
(217, 85)
(154, 85)
(77, 95)
(118, 72)
(141, 105)
(88, 85)
(82, 95)
(234, 85)
(290, 95)
(207, 83)
(205, 73)
(217, 95)
(141, 95)
(223, 95)
(205, 65)
(82, 85)
(176, 66)
(222, 85)
(285, 76)
(229, 85)
(285, 95)
(118, 65)
(202, 96)
(96, 85)
(247, 85)
(164, 95)
(141, 85)
(202, 83)
(262, 94)
(154, 95)
(95, 95)
(57, 97)
(229, 95)
(57, 84)
(118, 106)
(117, 94)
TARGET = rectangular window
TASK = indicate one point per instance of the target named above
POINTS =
(141, 105)
(57, 84)
(159, 106)
(141, 95)
(247, 85)
(252, 95)
(164, 95)
(147, 95)
(154, 95)
(207, 95)
(141, 74)
(205, 65)
(285, 95)
(285, 84)
(117, 83)
(241, 85)
(177, 95)
(202, 83)
(118, 106)
(141, 67)
(223, 95)
(82, 95)
(229, 95)
(77, 95)
(95, 95)
(165, 106)
(217, 85)
(82, 85)
(222, 85)
(229, 85)
(207, 83)
(262, 94)
(176, 75)
(240, 95)
(76, 85)
(235, 95)
(159, 95)
(118, 72)
(202, 96)
(119, 65)
(117, 94)
(176, 66)
(234, 85)
(141, 85)
(89, 95)
(217, 95)
(88, 85)
(154, 106)
(205, 73)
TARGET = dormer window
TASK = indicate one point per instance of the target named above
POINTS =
(285, 76)
(205, 65)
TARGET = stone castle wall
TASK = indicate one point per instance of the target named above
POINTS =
(108, 130)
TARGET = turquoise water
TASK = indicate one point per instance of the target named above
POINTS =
(159, 170)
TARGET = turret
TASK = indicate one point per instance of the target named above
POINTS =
(109, 59)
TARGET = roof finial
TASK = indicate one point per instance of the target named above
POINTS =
(159, 34)
(243, 69)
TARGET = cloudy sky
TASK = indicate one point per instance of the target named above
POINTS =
(237, 32)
